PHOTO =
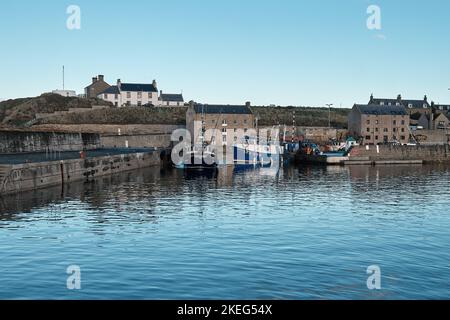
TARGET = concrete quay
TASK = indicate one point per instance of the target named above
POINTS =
(18, 174)
(383, 155)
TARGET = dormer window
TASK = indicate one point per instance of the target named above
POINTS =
(382, 103)
(410, 105)
(397, 104)
(390, 104)
(425, 106)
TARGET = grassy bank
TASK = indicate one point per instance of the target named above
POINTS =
(18, 112)
(268, 116)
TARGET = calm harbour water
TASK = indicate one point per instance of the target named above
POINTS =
(301, 233)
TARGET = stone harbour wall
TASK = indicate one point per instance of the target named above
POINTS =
(22, 141)
(136, 141)
(435, 153)
(30, 176)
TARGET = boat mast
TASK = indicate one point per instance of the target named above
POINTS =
(293, 127)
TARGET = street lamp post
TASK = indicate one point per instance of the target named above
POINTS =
(329, 105)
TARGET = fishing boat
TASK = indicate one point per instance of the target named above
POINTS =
(198, 159)
(250, 153)
(201, 157)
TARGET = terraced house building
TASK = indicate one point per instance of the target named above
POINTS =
(228, 122)
(171, 100)
(411, 106)
(131, 94)
(379, 124)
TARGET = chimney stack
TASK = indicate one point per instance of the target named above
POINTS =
(101, 77)
(248, 104)
(94, 79)
(119, 83)
(155, 84)
(399, 97)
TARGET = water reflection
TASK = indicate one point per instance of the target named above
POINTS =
(298, 232)
(151, 185)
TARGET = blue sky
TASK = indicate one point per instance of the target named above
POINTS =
(287, 52)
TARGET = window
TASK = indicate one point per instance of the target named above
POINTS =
(245, 130)
(367, 137)
(403, 138)
(139, 103)
(150, 95)
(224, 121)
(394, 122)
(245, 121)
(368, 121)
(235, 121)
(128, 95)
(376, 129)
(376, 137)
(382, 103)
(386, 138)
(116, 104)
(403, 129)
(139, 95)
(410, 105)
(403, 122)
(385, 130)
(116, 96)
(368, 129)
(106, 96)
(425, 106)
(235, 139)
(394, 130)
(224, 130)
(168, 103)
(377, 122)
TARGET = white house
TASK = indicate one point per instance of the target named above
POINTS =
(131, 94)
(171, 100)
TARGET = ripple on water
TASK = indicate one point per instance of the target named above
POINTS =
(300, 234)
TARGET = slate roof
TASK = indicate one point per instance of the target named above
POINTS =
(416, 116)
(172, 97)
(417, 104)
(137, 87)
(442, 106)
(111, 90)
(375, 109)
(385, 101)
(222, 109)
